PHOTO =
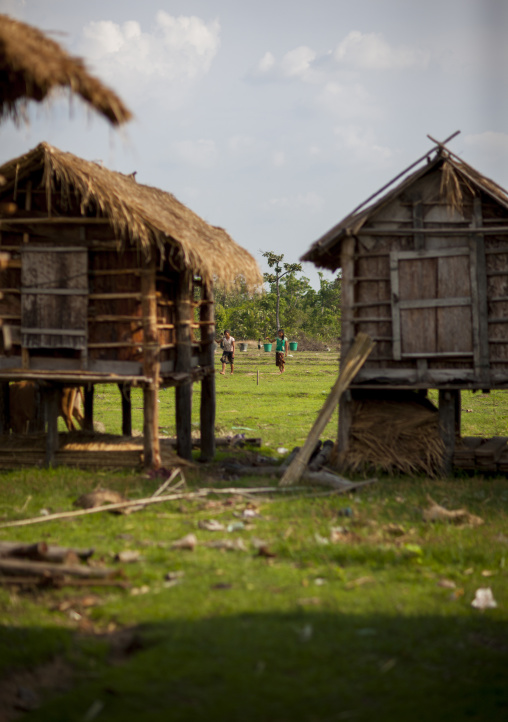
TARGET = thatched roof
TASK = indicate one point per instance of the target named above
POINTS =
(325, 252)
(141, 215)
(31, 65)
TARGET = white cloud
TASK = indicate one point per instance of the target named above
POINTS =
(357, 51)
(266, 63)
(176, 51)
(297, 63)
(371, 51)
(200, 153)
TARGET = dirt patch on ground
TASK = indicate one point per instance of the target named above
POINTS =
(24, 690)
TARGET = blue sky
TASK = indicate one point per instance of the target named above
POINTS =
(274, 119)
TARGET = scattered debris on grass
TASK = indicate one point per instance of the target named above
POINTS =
(230, 545)
(436, 512)
(189, 542)
(128, 556)
(99, 498)
(446, 584)
(211, 525)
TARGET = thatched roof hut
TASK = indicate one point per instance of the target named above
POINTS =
(111, 281)
(32, 65)
(142, 216)
(424, 268)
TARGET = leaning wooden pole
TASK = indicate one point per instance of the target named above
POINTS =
(353, 362)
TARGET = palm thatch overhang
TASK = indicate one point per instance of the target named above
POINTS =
(456, 174)
(32, 65)
(144, 217)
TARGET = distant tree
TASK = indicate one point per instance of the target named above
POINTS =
(280, 270)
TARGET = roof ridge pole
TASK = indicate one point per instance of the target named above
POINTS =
(402, 173)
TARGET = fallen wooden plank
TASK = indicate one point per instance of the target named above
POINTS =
(44, 581)
(28, 568)
(353, 362)
(318, 478)
(42, 551)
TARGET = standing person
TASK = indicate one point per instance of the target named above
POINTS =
(281, 350)
(228, 352)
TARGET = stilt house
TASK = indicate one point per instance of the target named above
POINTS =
(109, 281)
(424, 267)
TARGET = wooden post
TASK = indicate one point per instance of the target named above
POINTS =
(25, 354)
(208, 399)
(347, 336)
(479, 294)
(5, 420)
(447, 406)
(151, 364)
(125, 393)
(51, 395)
(458, 414)
(88, 404)
(183, 392)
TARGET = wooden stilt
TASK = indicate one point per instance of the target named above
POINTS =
(183, 392)
(50, 395)
(345, 421)
(458, 414)
(151, 364)
(88, 404)
(5, 420)
(125, 393)
(447, 406)
(208, 399)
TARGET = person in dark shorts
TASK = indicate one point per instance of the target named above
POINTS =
(281, 350)
(228, 352)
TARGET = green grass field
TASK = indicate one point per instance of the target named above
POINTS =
(357, 609)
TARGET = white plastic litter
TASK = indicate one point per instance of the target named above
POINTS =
(484, 599)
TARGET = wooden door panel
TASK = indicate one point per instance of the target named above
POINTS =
(418, 330)
(454, 330)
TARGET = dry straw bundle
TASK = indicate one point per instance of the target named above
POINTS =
(32, 65)
(395, 436)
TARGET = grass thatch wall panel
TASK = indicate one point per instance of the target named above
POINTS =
(60, 282)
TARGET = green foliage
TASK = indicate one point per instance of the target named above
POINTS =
(288, 301)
